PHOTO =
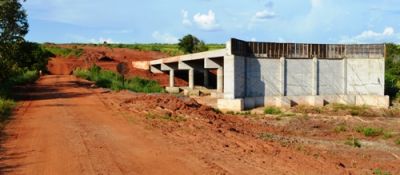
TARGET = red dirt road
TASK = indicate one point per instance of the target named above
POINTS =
(64, 128)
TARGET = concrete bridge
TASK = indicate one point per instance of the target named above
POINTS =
(253, 74)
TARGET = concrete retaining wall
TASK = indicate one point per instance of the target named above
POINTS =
(287, 82)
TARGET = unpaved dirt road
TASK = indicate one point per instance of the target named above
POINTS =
(64, 128)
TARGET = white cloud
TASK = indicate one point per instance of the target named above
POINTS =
(261, 16)
(369, 36)
(207, 21)
(164, 37)
(102, 40)
(315, 3)
(186, 21)
(264, 14)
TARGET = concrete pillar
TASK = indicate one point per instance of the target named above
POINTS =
(282, 76)
(345, 92)
(206, 78)
(191, 78)
(315, 76)
(171, 78)
(220, 80)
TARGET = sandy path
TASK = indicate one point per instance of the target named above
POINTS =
(64, 128)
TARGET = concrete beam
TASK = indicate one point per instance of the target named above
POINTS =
(213, 63)
(168, 67)
(155, 68)
(196, 56)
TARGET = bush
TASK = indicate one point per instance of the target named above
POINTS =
(353, 142)
(370, 132)
(380, 172)
(6, 107)
(27, 77)
(397, 142)
(272, 110)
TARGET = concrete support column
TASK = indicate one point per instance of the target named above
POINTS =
(315, 76)
(220, 80)
(282, 76)
(206, 78)
(345, 92)
(171, 78)
(191, 78)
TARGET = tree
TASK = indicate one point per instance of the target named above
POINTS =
(13, 28)
(13, 21)
(191, 44)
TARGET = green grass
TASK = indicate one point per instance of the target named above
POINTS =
(341, 128)
(387, 135)
(113, 81)
(369, 131)
(6, 103)
(266, 136)
(352, 109)
(354, 142)
(397, 142)
(272, 110)
(6, 107)
(26, 77)
(378, 171)
(64, 52)
(169, 49)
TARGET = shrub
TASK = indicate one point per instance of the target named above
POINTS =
(6, 107)
(353, 142)
(26, 77)
(380, 172)
(397, 142)
(369, 132)
(341, 128)
(387, 135)
(272, 110)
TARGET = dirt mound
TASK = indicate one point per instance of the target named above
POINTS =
(173, 104)
(63, 66)
(108, 58)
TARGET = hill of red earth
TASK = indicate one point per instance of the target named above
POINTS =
(108, 58)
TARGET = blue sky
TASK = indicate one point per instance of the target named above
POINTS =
(214, 21)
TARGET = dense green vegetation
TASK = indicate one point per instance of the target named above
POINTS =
(169, 49)
(64, 52)
(6, 103)
(19, 60)
(109, 79)
(392, 76)
(191, 44)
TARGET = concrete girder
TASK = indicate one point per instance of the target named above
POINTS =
(156, 68)
(213, 63)
(169, 66)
